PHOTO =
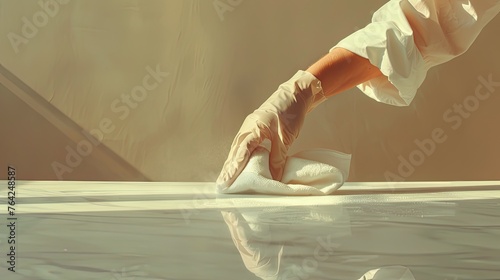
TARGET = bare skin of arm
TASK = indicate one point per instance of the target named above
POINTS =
(341, 70)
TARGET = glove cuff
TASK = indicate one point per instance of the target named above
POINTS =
(302, 85)
(310, 89)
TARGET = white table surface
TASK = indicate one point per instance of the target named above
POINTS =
(137, 230)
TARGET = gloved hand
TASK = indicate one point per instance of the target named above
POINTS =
(278, 119)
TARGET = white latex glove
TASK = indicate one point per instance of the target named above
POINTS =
(278, 119)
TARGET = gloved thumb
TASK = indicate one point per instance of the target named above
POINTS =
(241, 149)
(277, 158)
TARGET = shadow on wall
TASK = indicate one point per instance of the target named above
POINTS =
(31, 144)
(37, 132)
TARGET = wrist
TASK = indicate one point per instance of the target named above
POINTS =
(311, 90)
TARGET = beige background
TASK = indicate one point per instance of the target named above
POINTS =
(221, 67)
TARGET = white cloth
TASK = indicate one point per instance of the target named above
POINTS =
(310, 172)
(408, 37)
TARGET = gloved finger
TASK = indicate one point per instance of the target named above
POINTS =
(232, 167)
(241, 149)
(277, 157)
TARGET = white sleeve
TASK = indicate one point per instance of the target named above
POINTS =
(408, 37)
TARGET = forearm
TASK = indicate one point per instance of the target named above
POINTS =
(341, 70)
